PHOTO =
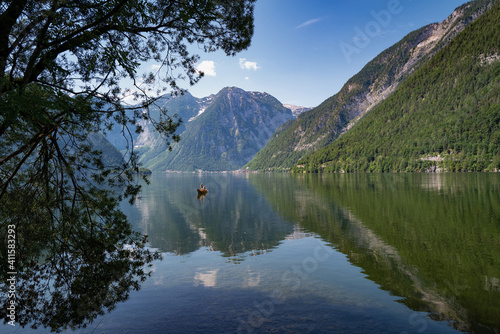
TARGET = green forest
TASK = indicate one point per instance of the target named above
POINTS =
(322, 125)
(446, 116)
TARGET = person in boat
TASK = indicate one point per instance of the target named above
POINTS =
(202, 189)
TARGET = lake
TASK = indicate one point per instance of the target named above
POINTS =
(346, 253)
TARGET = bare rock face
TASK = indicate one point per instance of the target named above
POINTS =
(296, 110)
(320, 126)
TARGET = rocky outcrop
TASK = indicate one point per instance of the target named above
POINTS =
(296, 110)
(320, 126)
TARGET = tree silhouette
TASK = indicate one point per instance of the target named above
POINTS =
(62, 67)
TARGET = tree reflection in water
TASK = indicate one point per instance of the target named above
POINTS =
(69, 274)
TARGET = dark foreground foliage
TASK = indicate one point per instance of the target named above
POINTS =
(62, 66)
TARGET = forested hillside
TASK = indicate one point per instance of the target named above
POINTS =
(374, 83)
(444, 116)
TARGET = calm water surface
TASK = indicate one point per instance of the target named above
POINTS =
(397, 253)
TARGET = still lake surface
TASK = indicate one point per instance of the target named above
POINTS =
(279, 253)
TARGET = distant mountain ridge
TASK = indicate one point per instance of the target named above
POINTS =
(320, 126)
(111, 156)
(219, 132)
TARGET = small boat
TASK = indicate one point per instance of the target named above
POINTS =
(203, 190)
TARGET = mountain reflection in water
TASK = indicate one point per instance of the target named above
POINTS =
(233, 218)
(399, 253)
(432, 239)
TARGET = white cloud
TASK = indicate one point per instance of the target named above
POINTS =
(248, 65)
(305, 24)
(155, 67)
(247, 78)
(207, 67)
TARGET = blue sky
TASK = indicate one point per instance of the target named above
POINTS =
(303, 52)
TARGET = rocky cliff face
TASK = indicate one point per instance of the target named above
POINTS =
(296, 110)
(223, 132)
(320, 126)
(436, 119)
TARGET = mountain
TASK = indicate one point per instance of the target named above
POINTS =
(220, 132)
(320, 126)
(296, 110)
(111, 156)
(184, 106)
(446, 115)
(149, 145)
